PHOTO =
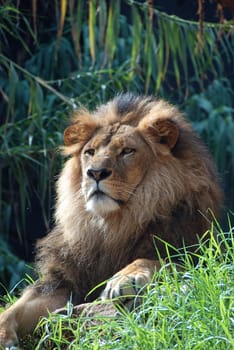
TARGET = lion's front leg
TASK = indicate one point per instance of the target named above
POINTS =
(130, 280)
(22, 317)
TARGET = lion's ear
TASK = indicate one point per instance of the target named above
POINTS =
(162, 131)
(80, 131)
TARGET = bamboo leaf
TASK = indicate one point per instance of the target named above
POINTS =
(76, 25)
(102, 22)
(172, 37)
(34, 10)
(63, 11)
(136, 38)
(190, 35)
(163, 53)
(112, 30)
(183, 55)
(92, 23)
(13, 82)
(148, 52)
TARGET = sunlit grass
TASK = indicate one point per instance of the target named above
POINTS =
(193, 309)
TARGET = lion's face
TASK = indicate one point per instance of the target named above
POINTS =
(114, 163)
(120, 154)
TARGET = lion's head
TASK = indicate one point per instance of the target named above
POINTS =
(134, 159)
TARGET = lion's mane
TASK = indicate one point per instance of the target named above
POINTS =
(171, 203)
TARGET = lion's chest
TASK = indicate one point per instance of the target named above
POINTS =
(95, 267)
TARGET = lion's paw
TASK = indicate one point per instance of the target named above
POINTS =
(8, 337)
(126, 286)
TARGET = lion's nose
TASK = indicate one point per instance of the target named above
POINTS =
(99, 174)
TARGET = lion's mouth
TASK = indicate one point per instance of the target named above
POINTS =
(101, 203)
(98, 194)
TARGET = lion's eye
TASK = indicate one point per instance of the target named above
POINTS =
(126, 151)
(90, 152)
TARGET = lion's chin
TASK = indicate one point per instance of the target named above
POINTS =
(102, 205)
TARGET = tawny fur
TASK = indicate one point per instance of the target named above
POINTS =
(172, 200)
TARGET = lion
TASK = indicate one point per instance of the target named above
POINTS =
(135, 171)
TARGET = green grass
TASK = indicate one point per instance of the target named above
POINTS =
(86, 54)
(193, 309)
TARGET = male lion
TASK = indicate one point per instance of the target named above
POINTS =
(136, 171)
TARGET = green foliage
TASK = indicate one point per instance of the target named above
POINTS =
(183, 310)
(11, 269)
(212, 113)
